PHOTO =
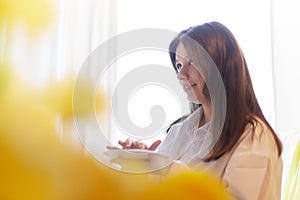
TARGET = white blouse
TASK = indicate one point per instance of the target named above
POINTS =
(252, 170)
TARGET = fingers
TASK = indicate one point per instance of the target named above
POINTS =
(130, 144)
(111, 147)
(135, 145)
(141, 145)
(127, 144)
(154, 145)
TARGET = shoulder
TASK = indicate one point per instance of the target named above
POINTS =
(258, 137)
(256, 159)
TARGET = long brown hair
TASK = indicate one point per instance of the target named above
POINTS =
(242, 106)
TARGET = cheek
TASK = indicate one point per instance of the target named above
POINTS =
(199, 90)
(200, 82)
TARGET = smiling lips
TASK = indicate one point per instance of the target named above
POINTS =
(187, 87)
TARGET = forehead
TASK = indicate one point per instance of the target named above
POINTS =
(181, 52)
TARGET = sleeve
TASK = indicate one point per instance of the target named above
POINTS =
(246, 174)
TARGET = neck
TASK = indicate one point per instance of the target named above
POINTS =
(206, 114)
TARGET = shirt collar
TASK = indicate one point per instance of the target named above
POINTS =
(192, 122)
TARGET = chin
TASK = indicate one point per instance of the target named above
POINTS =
(193, 100)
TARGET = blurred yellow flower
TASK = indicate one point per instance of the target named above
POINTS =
(292, 190)
(188, 185)
(60, 97)
(35, 165)
(34, 13)
(5, 78)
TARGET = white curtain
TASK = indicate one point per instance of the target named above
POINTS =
(286, 31)
(58, 49)
(285, 43)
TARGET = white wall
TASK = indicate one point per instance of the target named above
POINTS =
(286, 42)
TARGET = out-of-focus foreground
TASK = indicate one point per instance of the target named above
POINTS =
(35, 164)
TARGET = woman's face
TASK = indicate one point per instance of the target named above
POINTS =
(190, 77)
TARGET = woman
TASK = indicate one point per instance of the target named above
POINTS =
(226, 132)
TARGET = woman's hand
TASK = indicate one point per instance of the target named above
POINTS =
(131, 144)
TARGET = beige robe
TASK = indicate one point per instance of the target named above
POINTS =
(252, 170)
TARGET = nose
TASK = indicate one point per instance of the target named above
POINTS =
(182, 73)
